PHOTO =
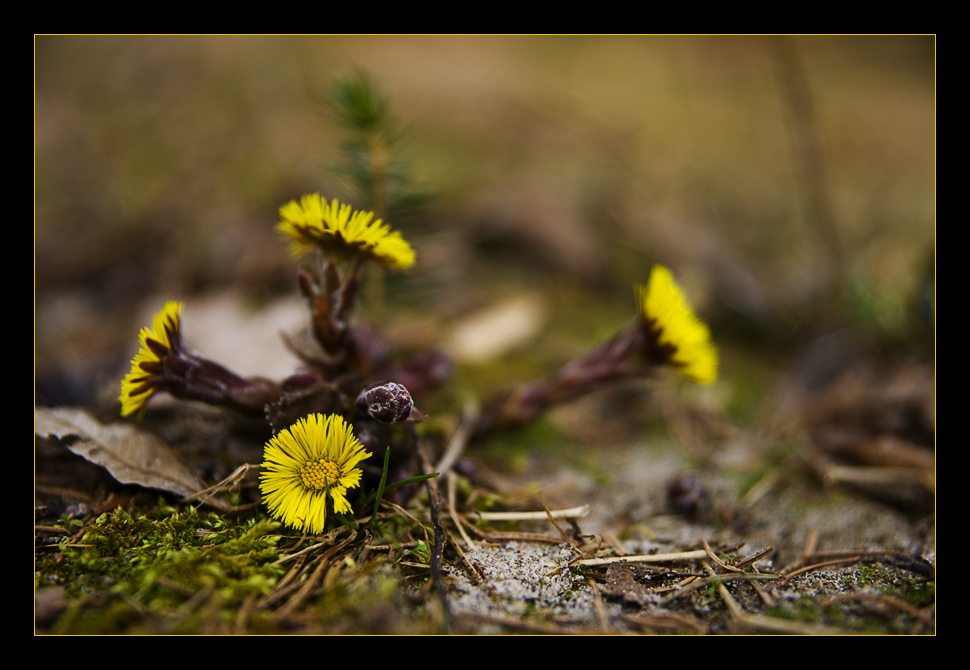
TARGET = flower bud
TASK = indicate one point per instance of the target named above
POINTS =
(388, 402)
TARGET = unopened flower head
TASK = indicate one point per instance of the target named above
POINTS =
(682, 339)
(311, 223)
(314, 458)
(162, 338)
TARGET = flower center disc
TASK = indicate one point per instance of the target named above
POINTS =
(319, 474)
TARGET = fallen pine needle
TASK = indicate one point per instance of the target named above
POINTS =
(647, 558)
(573, 512)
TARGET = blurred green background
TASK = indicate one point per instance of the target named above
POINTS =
(788, 182)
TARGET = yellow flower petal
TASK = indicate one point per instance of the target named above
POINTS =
(303, 464)
(312, 223)
(664, 307)
(164, 333)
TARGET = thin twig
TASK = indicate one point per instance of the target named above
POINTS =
(600, 609)
(647, 558)
(711, 555)
(776, 625)
(452, 485)
(310, 584)
(861, 553)
(764, 595)
(205, 496)
(574, 512)
(412, 564)
(811, 542)
(816, 566)
(437, 553)
(488, 537)
(460, 439)
(298, 554)
(726, 596)
(758, 491)
(282, 587)
(496, 538)
(242, 616)
(390, 547)
(754, 558)
(613, 541)
(568, 540)
(330, 537)
(461, 554)
(51, 529)
(707, 581)
(406, 514)
(884, 476)
(290, 605)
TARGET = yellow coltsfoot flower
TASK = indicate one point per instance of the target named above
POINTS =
(162, 338)
(311, 223)
(164, 363)
(680, 338)
(308, 462)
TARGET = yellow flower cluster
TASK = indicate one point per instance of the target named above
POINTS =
(156, 341)
(677, 328)
(312, 223)
(314, 458)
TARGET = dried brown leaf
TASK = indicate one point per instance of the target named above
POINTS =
(132, 456)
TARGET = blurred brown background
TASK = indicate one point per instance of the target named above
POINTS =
(789, 182)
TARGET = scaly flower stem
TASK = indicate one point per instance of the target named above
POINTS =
(188, 376)
(612, 361)
(348, 292)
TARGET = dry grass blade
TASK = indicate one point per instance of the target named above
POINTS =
(711, 555)
(51, 529)
(614, 542)
(205, 496)
(311, 583)
(302, 552)
(437, 552)
(459, 440)
(755, 558)
(453, 513)
(789, 627)
(572, 512)
(647, 558)
(407, 515)
(496, 538)
(601, 614)
(856, 554)
(391, 547)
(726, 596)
(283, 587)
(667, 622)
(565, 538)
(242, 617)
(707, 581)
(474, 572)
(816, 566)
(885, 476)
